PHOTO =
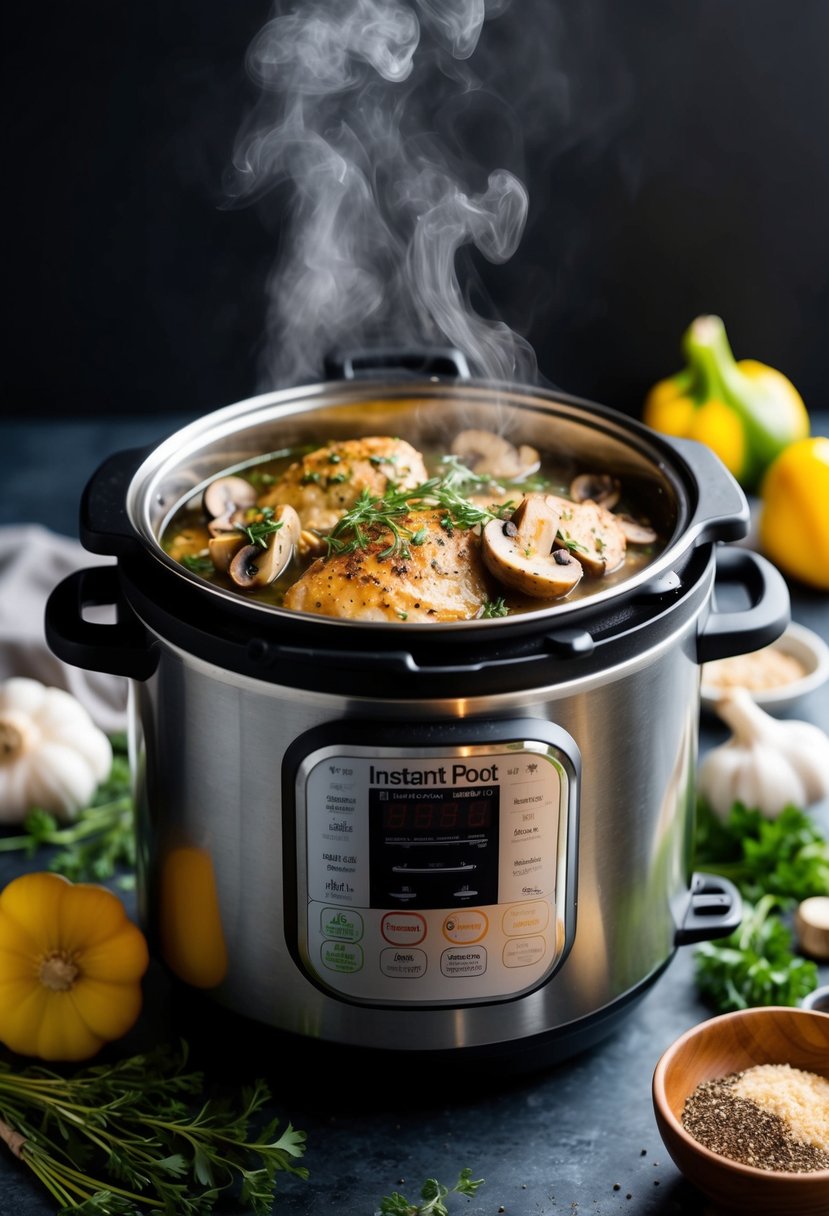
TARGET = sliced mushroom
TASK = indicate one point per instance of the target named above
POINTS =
(231, 521)
(600, 487)
(519, 552)
(592, 534)
(223, 548)
(255, 566)
(485, 452)
(226, 494)
(636, 533)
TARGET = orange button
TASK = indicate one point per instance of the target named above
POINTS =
(468, 925)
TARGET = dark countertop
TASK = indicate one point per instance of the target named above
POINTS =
(576, 1138)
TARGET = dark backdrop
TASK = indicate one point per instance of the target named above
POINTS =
(688, 172)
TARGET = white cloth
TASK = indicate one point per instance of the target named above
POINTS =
(33, 561)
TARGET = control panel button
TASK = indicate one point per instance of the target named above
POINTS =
(403, 964)
(465, 926)
(341, 956)
(341, 925)
(524, 951)
(524, 919)
(456, 962)
(403, 928)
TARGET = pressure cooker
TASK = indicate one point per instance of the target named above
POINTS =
(437, 839)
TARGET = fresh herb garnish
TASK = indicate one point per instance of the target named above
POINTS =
(198, 563)
(370, 517)
(433, 1194)
(755, 965)
(494, 608)
(99, 841)
(141, 1135)
(261, 528)
(567, 540)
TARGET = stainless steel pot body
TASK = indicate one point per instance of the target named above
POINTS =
(239, 711)
(211, 748)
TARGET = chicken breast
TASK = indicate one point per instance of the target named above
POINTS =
(324, 484)
(442, 578)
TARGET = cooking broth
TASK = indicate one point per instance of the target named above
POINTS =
(187, 534)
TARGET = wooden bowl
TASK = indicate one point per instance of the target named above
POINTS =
(726, 1044)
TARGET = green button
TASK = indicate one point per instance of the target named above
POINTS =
(337, 956)
(341, 926)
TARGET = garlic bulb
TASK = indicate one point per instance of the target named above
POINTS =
(52, 755)
(767, 764)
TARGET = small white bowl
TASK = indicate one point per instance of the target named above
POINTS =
(802, 644)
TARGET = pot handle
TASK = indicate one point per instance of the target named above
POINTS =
(122, 649)
(715, 909)
(415, 362)
(104, 524)
(723, 512)
(729, 633)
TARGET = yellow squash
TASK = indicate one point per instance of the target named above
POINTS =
(744, 411)
(71, 965)
(794, 512)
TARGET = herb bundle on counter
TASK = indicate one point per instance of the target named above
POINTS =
(774, 863)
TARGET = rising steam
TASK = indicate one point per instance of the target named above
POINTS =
(381, 209)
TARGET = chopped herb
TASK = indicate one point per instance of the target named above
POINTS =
(377, 460)
(569, 543)
(337, 479)
(198, 563)
(259, 479)
(404, 616)
(373, 516)
(260, 529)
(494, 608)
(334, 458)
(311, 479)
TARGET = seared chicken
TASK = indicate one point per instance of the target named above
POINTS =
(441, 578)
(324, 484)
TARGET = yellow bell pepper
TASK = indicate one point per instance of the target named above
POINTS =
(71, 966)
(744, 411)
(793, 528)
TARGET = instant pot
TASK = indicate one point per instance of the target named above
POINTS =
(468, 838)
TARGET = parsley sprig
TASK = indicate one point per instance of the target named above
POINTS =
(756, 964)
(373, 516)
(140, 1135)
(774, 863)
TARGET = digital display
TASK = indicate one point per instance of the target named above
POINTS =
(466, 816)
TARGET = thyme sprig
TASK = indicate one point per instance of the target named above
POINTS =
(140, 1135)
(371, 516)
(259, 529)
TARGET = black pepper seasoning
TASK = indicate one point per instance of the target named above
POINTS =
(740, 1129)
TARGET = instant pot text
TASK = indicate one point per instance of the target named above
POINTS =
(442, 775)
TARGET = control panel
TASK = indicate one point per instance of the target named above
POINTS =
(437, 875)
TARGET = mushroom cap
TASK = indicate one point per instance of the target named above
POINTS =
(487, 452)
(519, 552)
(636, 533)
(254, 565)
(599, 487)
(226, 494)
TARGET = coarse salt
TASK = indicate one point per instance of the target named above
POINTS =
(799, 1098)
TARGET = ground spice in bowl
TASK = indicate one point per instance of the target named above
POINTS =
(772, 1116)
